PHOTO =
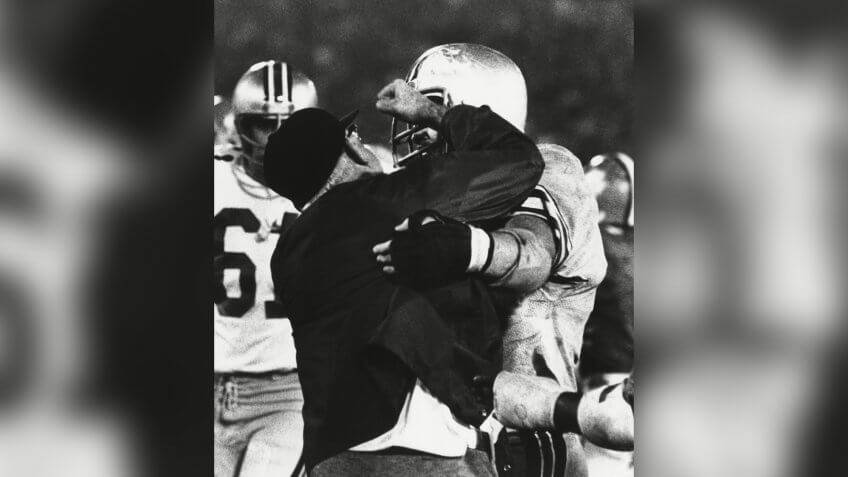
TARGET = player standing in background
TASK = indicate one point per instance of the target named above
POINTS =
(608, 341)
(607, 358)
(258, 399)
(553, 254)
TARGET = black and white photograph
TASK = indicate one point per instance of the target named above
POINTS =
(423, 238)
(423, 258)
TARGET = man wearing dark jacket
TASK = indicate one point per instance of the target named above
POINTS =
(387, 370)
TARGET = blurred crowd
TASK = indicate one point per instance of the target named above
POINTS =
(739, 299)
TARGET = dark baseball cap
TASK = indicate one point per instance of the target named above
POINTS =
(302, 153)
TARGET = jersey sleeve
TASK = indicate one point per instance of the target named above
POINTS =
(542, 205)
(564, 200)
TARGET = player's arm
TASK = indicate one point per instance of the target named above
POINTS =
(531, 245)
(520, 256)
(490, 169)
(604, 415)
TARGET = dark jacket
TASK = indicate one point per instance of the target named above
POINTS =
(362, 340)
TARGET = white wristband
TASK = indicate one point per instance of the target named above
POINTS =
(480, 244)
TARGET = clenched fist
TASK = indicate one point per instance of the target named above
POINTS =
(404, 102)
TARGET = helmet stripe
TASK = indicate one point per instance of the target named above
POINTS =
(279, 87)
(269, 73)
(289, 84)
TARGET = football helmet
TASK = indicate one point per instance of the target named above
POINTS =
(266, 95)
(225, 138)
(461, 73)
(611, 177)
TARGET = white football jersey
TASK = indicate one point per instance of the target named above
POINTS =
(558, 311)
(252, 332)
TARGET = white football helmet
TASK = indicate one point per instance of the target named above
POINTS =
(462, 73)
(611, 178)
(266, 95)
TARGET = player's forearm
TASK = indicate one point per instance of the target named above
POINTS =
(520, 261)
(604, 416)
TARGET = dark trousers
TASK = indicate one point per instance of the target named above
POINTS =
(402, 463)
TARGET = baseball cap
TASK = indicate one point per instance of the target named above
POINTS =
(302, 153)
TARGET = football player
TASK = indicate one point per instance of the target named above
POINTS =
(258, 400)
(608, 340)
(549, 250)
(607, 358)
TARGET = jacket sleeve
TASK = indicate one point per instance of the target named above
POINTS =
(491, 169)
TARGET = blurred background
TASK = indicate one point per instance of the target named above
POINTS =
(576, 55)
(105, 188)
(740, 278)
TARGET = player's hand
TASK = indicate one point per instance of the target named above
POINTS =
(426, 250)
(605, 417)
(629, 391)
(483, 387)
(402, 101)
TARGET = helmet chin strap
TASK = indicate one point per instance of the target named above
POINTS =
(253, 144)
(243, 170)
(254, 169)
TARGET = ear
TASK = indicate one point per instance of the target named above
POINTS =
(366, 157)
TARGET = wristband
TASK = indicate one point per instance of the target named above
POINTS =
(481, 250)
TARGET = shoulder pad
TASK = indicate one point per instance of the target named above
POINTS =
(570, 204)
(560, 159)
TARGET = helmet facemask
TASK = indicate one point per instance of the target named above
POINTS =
(253, 131)
(415, 140)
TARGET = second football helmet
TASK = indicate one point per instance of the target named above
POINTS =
(266, 95)
(462, 73)
(225, 137)
(611, 177)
